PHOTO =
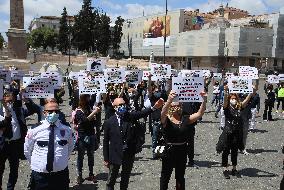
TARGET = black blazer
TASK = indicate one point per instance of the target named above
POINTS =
(113, 138)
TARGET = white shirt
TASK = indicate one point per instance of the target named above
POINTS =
(15, 126)
(36, 146)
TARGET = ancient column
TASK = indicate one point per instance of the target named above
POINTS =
(17, 44)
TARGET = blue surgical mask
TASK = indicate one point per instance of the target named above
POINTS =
(121, 110)
(52, 118)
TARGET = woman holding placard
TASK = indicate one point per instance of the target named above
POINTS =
(175, 129)
(231, 139)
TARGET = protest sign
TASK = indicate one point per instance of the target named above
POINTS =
(5, 75)
(206, 73)
(240, 85)
(188, 89)
(174, 73)
(96, 64)
(36, 87)
(31, 73)
(114, 75)
(1, 89)
(217, 76)
(228, 75)
(17, 75)
(191, 73)
(247, 71)
(146, 75)
(92, 85)
(133, 76)
(74, 75)
(273, 79)
(281, 77)
(161, 71)
(56, 78)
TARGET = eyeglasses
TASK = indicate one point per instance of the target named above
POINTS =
(51, 111)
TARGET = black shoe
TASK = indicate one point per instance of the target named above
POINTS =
(216, 115)
(226, 174)
(234, 172)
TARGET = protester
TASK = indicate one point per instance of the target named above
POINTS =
(47, 148)
(280, 97)
(176, 130)
(216, 92)
(231, 139)
(269, 103)
(85, 121)
(255, 107)
(118, 148)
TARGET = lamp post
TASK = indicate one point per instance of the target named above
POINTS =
(69, 43)
(129, 41)
(165, 35)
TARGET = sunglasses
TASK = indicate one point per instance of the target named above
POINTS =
(51, 111)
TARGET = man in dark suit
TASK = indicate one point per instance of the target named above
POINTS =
(118, 148)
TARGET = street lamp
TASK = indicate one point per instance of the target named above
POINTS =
(69, 43)
(165, 35)
(129, 41)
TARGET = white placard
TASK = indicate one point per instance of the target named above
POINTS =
(174, 73)
(36, 87)
(95, 64)
(92, 85)
(191, 73)
(247, 71)
(5, 75)
(206, 73)
(217, 76)
(161, 71)
(273, 79)
(240, 85)
(228, 75)
(281, 77)
(188, 89)
(73, 75)
(56, 78)
(1, 89)
(133, 76)
(114, 75)
(31, 73)
(146, 74)
(17, 75)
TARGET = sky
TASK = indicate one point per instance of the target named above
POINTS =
(130, 8)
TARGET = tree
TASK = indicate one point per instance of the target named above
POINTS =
(42, 37)
(1, 41)
(117, 34)
(83, 28)
(104, 37)
(64, 32)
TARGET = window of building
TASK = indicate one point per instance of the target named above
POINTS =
(42, 25)
(275, 63)
(54, 27)
(186, 22)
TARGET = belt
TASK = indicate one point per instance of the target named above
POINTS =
(176, 144)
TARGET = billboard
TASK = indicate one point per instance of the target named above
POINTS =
(155, 29)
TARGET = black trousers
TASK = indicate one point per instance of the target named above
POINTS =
(175, 157)
(267, 114)
(234, 156)
(127, 165)
(190, 146)
(49, 181)
(279, 100)
(10, 151)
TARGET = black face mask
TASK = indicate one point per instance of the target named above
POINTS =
(112, 97)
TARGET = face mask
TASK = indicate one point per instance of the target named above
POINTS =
(233, 102)
(157, 94)
(112, 97)
(121, 110)
(131, 95)
(52, 118)
(10, 106)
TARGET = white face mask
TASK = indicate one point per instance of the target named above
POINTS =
(10, 106)
(233, 102)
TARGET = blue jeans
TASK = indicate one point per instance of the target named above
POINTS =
(82, 147)
(215, 98)
(156, 125)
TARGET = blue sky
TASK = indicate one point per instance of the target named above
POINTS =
(130, 8)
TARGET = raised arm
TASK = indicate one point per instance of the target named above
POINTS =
(166, 107)
(196, 116)
(226, 93)
(246, 101)
(149, 85)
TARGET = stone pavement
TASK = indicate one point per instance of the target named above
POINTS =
(260, 170)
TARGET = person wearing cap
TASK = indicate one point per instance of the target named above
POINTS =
(47, 148)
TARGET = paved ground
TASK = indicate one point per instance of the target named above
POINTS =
(260, 170)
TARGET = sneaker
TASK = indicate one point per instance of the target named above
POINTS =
(276, 111)
(80, 180)
(92, 178)
(245, 152)
(234, 172)
(226, 174)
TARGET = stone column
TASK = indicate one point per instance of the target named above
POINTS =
(17, 44)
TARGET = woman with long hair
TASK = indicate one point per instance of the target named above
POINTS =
(85, 122)
(176, 128)
(231, 139)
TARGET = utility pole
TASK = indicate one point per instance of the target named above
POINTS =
(165, 35)
(69, 43)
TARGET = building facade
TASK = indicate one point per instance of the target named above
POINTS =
(225, 38)
(52, 22)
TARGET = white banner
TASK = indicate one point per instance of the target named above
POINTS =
(17, 75)
(114, 75)
(240, 85)
(281, 77)
(191, 73)
(217, 76)
(133, 76)
(161, 71)
(188, 89)
(96, 64)
(247, 71)
(273, 79)
(90, 85)
(228, 75)
(146, 74)
(5, 75)
(36, 87)
(56, 78)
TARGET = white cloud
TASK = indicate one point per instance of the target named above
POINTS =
(274, 3)
(111, 5)
(253, 7)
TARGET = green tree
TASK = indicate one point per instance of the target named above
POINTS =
(104, 37)
(63, 36)
(83, 28)
(1, 41)
(117, 34)
(42, 37)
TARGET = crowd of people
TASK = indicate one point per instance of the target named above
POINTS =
(127, 109)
